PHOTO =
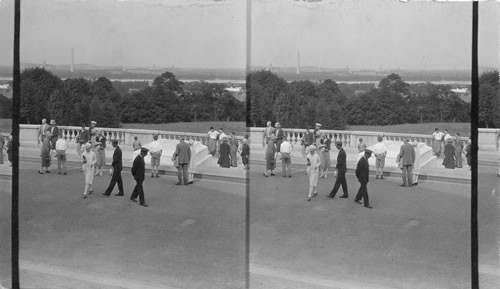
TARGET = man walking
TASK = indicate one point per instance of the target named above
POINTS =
(155, 151)
(286, 157)
(139, 172)
(380, 152)
(362, 173)
(183, 156)
(407, 158)
(341, 171)
(116, 167)
(61, 146)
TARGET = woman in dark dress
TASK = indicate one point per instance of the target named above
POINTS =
(449, 155)
(224, 154)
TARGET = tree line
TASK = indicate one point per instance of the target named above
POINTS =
(302, 103)
(77, 100)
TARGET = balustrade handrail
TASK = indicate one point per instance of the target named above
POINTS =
(123, 134)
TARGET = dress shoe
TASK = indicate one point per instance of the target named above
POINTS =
(308, 199)
(133, 200)
(359, 202)
(157, 175)
(104, 194)
(344, 196)
(266, 175)
(47, 171)
(90, 192)
(40, 172)
(178, 184)
(144, 205)
(272, 175)
(190, 183)
(315, 194)
(119, 194)
(329, 196)
(84, 196)
(369, 207)
(402, 185)
(152, 175)
(65, 174)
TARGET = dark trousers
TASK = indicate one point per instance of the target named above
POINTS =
(363, 193)
(138, 190)
(340, 181)
(115, 178)
(182, 173)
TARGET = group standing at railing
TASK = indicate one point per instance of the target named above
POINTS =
(227, 148)
(451, 149)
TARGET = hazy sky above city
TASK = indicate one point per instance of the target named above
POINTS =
(357, 34)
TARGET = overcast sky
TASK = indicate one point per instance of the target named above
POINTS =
(212, 34)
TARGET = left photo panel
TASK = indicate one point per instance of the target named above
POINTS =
(6, 91)
(132, 144)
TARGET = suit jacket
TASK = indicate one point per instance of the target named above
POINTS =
(54, 131)
(182, 153)
(362, 170)
(407, 154)
(117, 159)
(341, 161)
(139, 168)
(279, 133)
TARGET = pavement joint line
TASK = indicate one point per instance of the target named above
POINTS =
(316, 280)
(88, 277)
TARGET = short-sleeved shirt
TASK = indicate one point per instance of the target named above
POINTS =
(61, 145)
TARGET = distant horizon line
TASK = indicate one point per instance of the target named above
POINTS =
(155, 68)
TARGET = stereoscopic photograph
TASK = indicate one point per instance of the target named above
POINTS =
(132, 140)
(360, 144)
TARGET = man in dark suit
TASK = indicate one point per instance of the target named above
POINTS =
(407, 158)
(54, 134)
(183, 156)
(362, 173)
(341, 171)
(139, 172)
(278, 132)
(117, 171)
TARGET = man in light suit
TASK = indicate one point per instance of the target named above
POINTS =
(139, 172)
(268, 131)
(41, 130)
(407, 158)
(341, 170)
(362, 173)
(183, 156)
(117, 171)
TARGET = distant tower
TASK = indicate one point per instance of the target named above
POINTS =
(72, 67)
(298, 62)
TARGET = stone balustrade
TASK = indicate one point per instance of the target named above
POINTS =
(28, 133)
(350, 138)
(488, 138)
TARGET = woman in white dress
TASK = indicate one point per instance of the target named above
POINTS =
(313, 163)
(88, 161)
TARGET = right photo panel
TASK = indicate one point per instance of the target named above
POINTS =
(360, 152)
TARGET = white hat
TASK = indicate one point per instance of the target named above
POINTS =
(318, 124)
(93, 122)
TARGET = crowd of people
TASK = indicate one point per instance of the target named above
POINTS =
(451, 149)
(316, 147)
(91, 149)
(228, 148)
